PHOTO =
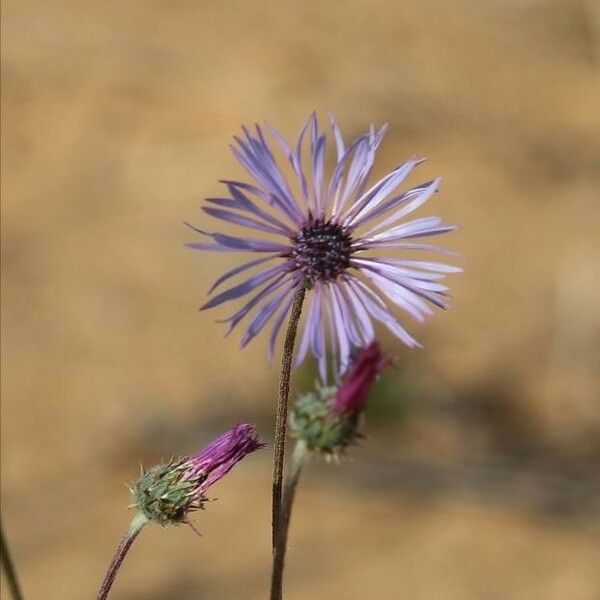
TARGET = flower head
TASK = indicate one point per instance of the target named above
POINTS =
(328, 421)
(316, 233)
(168, 492)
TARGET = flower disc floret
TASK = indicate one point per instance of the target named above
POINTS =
(322, 250)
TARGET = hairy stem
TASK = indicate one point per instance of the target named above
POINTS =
(282, 409)
(9, 568)
(137, 524)
(298, 460)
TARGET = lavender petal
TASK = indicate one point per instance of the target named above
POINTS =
(245, 287)
(362, 317)
(248, 243)
(341, 328)
(402, 297)
(426, 289)
(231, 217)
(410, 201)
(333, 192)
(379, 311)
(318, 152)
(265, 313)
(234, 319)
(380, 191)
(339, 140)
(241, 202)
(312, 318)
(241, 268)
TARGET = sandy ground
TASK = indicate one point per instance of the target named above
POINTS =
(115, 122)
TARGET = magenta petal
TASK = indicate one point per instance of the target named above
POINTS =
(221, 455)
(351, 396)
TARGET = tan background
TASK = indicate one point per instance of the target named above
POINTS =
(479, 478)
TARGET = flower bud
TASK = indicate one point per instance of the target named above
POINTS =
(166, 493)
(328, 419)
(351, 397)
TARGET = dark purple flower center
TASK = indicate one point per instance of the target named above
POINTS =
(321, 250)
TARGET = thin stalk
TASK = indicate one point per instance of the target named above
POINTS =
(9, 568)
(137, 524)
(299, 458)
(282, 409)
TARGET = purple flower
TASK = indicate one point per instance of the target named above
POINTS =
(166, 493)
(221, 455)
(351, 396)
(317, 232)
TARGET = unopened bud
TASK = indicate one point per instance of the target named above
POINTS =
(328, 420)
(167, 493)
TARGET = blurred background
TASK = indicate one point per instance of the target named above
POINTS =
(479, 477)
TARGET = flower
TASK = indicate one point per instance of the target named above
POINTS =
(351, 396)
(317, 238)
(168, 492)
(328, 420)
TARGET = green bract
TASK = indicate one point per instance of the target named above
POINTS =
(323, 431)
(166, 493)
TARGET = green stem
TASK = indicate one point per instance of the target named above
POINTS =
(299, 459)
(282, 409)
(137, 524)
(9, 568)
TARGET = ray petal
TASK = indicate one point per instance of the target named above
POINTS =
(409, 202)
(239, 269)
(234, 319)
(232, 217)
(265, 313)
(374, 305)
(247, 286)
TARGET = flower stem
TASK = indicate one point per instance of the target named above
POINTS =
(299, 458)
(137, 524)
(282, 409)
(9, 568)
